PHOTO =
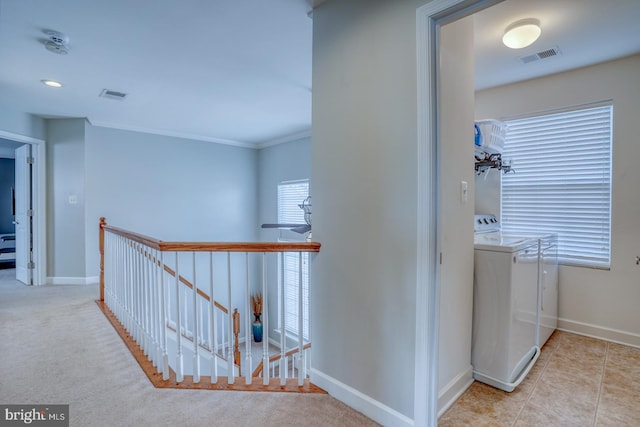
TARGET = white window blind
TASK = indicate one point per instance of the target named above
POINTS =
(290, 195)
(562, 182)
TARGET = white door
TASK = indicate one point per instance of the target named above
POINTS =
(23, 214)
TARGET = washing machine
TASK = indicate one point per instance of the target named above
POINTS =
(548, 287)
(505, 305)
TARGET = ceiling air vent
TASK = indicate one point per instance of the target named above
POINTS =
(554, 51)
(112, 94)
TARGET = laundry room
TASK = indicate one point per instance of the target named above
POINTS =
(555, 156)
(561, 158)
(597, 282)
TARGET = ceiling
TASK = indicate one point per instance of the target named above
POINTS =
(585, 32)
(239, 72)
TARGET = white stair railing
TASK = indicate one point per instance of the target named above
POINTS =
(156, 290)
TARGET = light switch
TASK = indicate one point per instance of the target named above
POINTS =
(464, 192)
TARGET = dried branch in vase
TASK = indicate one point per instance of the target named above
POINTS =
(256, 303)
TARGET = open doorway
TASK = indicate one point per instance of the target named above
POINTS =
(24, 219)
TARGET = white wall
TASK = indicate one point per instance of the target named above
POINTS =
(283, 162)
(364, 185)
(596, 302)
(455, 220)
(65, 180)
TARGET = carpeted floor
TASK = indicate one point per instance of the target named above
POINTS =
(56, 347)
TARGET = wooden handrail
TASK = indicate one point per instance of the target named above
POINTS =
(213, 246)
(277, 357)
(240, 246)
(140, 238)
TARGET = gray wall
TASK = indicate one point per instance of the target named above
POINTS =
(364, 185)
(602, 303)
(65, 181)
(169, 188)
(20, 123)
(165, 187)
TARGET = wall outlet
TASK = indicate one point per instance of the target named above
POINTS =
(73, 199)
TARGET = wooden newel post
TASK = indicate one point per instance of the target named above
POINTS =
(236, 332)
(103, 222)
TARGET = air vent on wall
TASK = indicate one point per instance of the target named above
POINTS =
(112, 94)
(554, 51)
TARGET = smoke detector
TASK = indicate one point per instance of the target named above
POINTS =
(56, 42)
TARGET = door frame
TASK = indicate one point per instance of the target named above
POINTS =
(429, 18)
(38, 194)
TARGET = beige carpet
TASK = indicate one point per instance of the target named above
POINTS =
(56, 347)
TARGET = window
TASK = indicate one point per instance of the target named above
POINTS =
(562, 182)
(290, 195)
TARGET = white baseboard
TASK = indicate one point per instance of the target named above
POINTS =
(92, 280)
(373, 409)
(600, 332)
(452, 391)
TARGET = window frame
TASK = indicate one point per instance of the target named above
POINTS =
(291, 329)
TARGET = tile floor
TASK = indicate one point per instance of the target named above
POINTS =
(577, 381)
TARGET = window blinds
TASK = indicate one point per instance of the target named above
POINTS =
(290, 195)
(562, 182)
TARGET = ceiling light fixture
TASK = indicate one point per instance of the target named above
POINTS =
(522, 33)
(52, 83)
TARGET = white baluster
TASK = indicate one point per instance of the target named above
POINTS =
(139, 305)
(132, 288)
(163, 319)
(300, 322)
(231, 375)
(283, 337)
(196, 356)
(213, 333)
(155, 306)
(247, 334)
(265, 323)
(158, 303)
(179, 361)
(144, 290)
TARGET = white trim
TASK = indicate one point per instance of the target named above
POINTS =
(39, 206)
(599, 332)
(428, 18)
(452, 391)
(92, 280)
(174, 134)
(243, 144)
(375, 410)
(285, 139)
(20, 138)
(427, 286)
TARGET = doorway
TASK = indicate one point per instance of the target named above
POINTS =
(31, 242)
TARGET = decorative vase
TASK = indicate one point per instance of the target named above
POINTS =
(256, 326)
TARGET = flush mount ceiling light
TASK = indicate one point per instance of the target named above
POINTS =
(51, 83)
(521, 33)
